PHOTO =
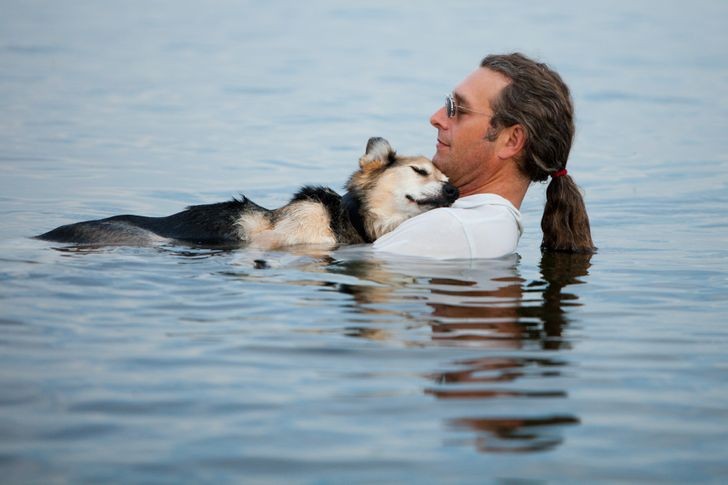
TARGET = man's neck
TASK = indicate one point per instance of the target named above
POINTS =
(511, 188)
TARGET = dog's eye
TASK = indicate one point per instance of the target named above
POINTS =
(420, 171)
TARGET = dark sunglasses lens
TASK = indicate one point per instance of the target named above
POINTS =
(449, 106)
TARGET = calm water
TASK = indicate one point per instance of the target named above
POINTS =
(178, 365)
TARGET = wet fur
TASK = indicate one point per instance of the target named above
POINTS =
(384, 192)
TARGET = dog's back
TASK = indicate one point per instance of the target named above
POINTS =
(210, 224)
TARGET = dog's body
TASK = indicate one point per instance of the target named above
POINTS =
(383, 193)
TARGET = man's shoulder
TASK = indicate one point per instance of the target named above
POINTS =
(434, 214)
(483, 201)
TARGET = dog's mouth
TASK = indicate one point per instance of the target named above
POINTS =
(444, 199)
(418, 201)
(430, 201)
(447, 195)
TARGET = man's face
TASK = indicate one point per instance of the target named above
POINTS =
(463, 152)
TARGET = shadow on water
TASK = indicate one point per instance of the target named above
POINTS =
(514, 330)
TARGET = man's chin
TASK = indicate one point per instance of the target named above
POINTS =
(439, 160)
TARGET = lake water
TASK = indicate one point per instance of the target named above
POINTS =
(175, 364)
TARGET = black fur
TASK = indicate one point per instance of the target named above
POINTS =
(210, 224)
(317, 193)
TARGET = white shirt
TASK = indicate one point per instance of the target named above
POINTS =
(476, 226)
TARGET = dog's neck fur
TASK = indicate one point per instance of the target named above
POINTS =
(378, 224)
(352, 208)
(368, 222)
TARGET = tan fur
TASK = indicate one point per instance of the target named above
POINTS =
(369, 164)
(251, 225)
(300, 223)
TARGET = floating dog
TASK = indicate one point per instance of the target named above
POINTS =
(386, 190)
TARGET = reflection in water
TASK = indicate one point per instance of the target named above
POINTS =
(558, 270)
(515, 434)
(484, 305)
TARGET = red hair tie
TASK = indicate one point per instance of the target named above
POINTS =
(560, 173)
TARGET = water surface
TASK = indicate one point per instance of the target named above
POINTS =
(179, 364)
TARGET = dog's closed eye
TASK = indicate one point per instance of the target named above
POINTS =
(420, 171)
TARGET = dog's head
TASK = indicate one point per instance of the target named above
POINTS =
(392, 188)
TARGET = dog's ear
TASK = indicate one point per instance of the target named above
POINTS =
(378, 154)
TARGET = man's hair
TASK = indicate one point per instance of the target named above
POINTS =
(538, 99)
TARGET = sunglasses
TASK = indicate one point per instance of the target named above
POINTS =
(452, 109)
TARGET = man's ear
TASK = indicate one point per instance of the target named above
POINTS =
(512, 140)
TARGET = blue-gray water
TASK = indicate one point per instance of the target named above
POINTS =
(172, 365)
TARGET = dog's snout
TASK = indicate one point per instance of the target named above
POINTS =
(450, 192)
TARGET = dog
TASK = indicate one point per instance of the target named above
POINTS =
(386, 190)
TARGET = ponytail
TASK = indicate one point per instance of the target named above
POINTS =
(539, 100)
(565, 223)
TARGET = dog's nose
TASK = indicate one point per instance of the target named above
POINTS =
(450, 191)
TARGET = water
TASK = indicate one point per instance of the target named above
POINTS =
(176, 364)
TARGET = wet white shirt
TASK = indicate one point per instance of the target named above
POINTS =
(476, 226)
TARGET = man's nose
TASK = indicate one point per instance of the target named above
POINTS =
(438, 118)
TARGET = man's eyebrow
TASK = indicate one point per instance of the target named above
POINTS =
(459, 100)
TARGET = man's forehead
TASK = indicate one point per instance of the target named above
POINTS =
(480, 87)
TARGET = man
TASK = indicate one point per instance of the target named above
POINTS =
(507, 124)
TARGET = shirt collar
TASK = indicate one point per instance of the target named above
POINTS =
(476, 200)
